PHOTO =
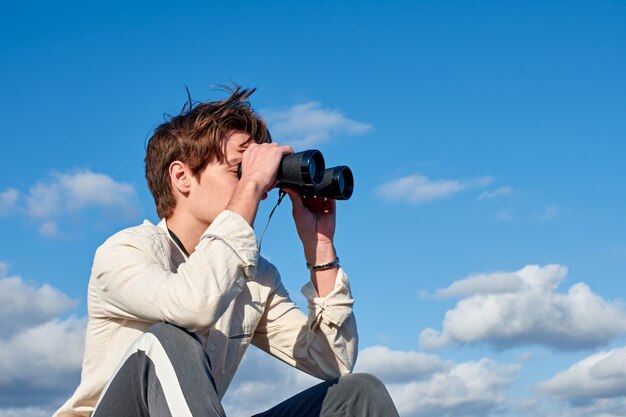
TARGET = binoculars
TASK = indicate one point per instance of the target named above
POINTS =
(306, 172)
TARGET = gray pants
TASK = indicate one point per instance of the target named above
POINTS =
(181, 385)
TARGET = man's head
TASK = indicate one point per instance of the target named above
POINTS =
(197, 137)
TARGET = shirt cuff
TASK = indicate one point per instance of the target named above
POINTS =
(336, 307)
(230, 228)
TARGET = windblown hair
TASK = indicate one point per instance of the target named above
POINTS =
(197, 137)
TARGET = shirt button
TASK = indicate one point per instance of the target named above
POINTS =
(211, 347)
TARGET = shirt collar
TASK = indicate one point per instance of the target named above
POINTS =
(163, 226)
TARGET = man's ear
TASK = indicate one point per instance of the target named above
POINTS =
(180, 175)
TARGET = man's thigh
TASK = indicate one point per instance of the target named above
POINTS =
(354, 395)
(166, 373)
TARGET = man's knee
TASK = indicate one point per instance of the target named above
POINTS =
(364, 395)
(363, 382)
(161, 329)
(173, 337)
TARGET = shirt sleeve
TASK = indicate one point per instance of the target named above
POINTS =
(324, 343)
(131, 281)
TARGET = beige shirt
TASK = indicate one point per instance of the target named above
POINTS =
(225, 292)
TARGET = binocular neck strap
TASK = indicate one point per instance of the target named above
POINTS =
(281, 195)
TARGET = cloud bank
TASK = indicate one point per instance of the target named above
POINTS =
(41, 352)
(523, 307)
(24, 306)
(309, 124)
(425, 385)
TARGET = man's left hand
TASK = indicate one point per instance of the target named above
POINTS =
(315, 220)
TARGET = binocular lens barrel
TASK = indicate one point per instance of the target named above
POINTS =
(301, 168)
(338, 184)
(306, 172)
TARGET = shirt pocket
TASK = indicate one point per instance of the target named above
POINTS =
(239, 338)
(241, 331)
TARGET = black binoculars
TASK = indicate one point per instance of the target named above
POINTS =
(306, 172)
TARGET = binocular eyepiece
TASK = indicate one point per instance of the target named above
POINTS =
(306, 171)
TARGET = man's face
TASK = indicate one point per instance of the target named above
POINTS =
(212, 190)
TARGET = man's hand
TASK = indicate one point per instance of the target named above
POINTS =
(315, 220)
(259, 165)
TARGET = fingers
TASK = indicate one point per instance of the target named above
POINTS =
(260, 163)
(266, 151)
(316, 205)
(286, 149)
(320, 205)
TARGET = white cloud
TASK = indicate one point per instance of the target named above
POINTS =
(308, 124)
(44, 200)
(79, 190)
(523, 307)
(419, 189)
(86, 188)
(32, 411)
(8, 201)
(425, 385)
(42, 357)
(397, 367)
(41, 353)
(548, 277)
(62, 196)
(602, 375)
(23, 305)
(490, 195)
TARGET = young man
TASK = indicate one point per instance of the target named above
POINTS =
(173, 307)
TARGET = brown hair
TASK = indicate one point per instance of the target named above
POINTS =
(197, 136)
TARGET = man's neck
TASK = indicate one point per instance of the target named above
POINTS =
(188, 229)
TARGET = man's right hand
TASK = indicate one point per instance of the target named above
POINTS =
(259, 165)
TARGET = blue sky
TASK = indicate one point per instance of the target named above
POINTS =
(487, 141)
